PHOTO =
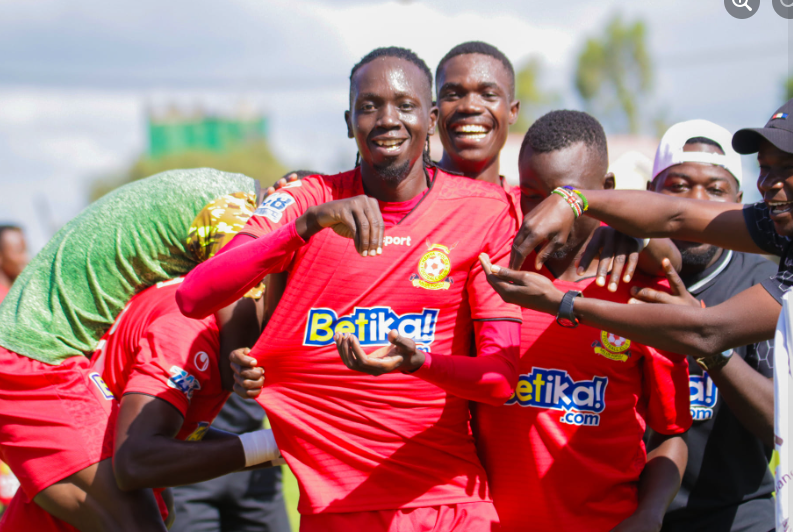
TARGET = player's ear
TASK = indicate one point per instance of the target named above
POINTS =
(608, 181)
(514, 111)
(348, 121)
(434, 112)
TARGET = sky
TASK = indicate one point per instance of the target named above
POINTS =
(77, 77)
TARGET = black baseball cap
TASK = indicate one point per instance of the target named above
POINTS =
(778, 131)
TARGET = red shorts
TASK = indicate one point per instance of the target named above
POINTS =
(54, 420)
(25, 516)
(467, 517)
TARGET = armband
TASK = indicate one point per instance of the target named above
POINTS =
(259, 446)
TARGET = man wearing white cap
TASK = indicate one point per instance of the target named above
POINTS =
(727, 485)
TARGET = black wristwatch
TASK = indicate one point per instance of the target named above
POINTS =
(565, 316)
(716, 361)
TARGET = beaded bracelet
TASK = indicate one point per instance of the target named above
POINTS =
(571, 199)
(580, 195)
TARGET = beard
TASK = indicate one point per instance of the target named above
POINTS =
(696, 256)
(393, 172)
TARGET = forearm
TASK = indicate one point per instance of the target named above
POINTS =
(490, 377)
(226, 277)
(164, 461)
(749, 395)
(661, 477)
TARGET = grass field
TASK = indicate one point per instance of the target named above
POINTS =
(291, 495)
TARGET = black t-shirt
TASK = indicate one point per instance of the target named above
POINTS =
(727, 484)
(239, 415)
(758, 221)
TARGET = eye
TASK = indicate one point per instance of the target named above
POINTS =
(406, 106)
(367, 106)
(490, 95)
(716, 191)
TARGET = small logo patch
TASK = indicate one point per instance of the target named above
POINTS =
(434, 268)
(183, 381)
(613, 347)
(201, 361)
(274, 206)
(779, 116)
(99, 382)
(200, 431)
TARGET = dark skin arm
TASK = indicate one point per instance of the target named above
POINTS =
(636, 213)
(240, 326)
(749, 394)
(147, 455)
(658, 484)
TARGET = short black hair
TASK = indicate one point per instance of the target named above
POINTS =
(300, 173)
(704, 140)
(559, 129)
(399, 53)
(479, 47)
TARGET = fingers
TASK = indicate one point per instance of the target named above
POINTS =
(362, 228)
(404, 345)
(367, 225)
(248, 388)
(648, 295)
(377, 228)
(591, 251)
(343, 347)
(675, 282)
(484, 260)
(606, 259)
(627, 247)
(292, 177)
(241, 358)
(630, 267)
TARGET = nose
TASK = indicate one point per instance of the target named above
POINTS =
(389, 117)
(700, 193)
(471, 104)
(768, 182)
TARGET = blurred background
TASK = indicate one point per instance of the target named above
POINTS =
(94, 94)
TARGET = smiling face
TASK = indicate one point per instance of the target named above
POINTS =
(703, 182)
(577, 165)
(476, 104)
(776, 185)
(390, 116)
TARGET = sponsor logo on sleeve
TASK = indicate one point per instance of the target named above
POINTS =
(274, 206)
(612, 347)
(201, 361)
(434, 268)
(200, 431)
(581, 402)
(371, 325)
(703, 395)
(183, 381)
(99, 382)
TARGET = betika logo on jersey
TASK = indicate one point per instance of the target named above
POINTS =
(553, 389)
(371, 325)
(704, 395)
(183, 381)
(434, 268)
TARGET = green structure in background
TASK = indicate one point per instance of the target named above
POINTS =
(174, 133)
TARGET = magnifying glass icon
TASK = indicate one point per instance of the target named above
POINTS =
(745, 3)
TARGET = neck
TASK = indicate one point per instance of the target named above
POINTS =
(564, 268)
(688, 269)
(394, 191)
(487, 171)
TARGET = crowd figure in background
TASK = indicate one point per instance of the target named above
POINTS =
(436, 349)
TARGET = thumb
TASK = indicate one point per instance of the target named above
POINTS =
(506, 274)
(675, 282)
(403, 344)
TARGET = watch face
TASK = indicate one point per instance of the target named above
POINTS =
(564, 322)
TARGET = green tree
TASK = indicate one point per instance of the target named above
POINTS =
(533, 99)
(253, 159)
(614, 72)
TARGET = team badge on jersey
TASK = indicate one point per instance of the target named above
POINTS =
(371, 325)
(612, 346)
(704, 396)
(581, 402)
(183, 381)
(200, 431)
(434, 268)
(99, 382)
(274, 206)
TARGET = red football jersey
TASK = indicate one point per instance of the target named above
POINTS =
(153, 349)
(566, 451)
(356, 442)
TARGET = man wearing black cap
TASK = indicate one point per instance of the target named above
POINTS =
(708, 334)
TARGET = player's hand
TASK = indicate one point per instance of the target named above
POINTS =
(526, 289)
(617, 253)
(291, 178)
(551, 222)
(640, 522)
(401, 355)
(357, 218)
(248, 377)
(679, 295)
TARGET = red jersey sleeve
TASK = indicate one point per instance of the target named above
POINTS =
(166, 362)
(485, 302)
(286, 205)
(666, 392)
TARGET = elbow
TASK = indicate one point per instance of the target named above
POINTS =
(504, 389)
(130, 474)
(188, 305)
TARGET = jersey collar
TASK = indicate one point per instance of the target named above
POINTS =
(697, 282)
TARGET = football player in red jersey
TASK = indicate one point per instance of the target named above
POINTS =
(395, 451)
(566, 451)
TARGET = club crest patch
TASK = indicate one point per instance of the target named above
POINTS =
(434, 268)
(613, 347)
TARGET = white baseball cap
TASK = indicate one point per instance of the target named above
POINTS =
(670, 150)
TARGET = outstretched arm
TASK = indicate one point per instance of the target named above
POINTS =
(635, 213)
(658, 484)
(147, 454)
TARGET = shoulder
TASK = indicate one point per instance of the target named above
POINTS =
(756, 266)
(457, 187)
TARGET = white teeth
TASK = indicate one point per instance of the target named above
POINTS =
(471, 128)
(780, 207)
(389, 143)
